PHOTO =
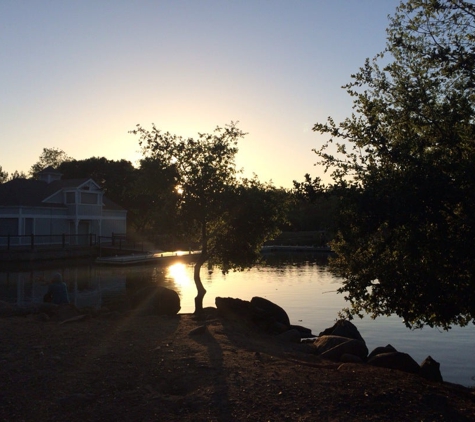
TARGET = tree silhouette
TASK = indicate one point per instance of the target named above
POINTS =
(403, 162)
(228, 217)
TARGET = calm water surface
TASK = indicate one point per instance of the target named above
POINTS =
(302, 285)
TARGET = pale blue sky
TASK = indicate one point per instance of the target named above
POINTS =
(78, 75)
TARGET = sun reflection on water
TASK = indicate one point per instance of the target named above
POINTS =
(177, 272)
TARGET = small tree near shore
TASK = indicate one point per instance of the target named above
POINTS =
(230, 218)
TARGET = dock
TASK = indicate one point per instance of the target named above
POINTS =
(146, 258)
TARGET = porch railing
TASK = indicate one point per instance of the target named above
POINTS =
(31, 241)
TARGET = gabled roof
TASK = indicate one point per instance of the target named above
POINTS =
(23, 192)
(30, 192)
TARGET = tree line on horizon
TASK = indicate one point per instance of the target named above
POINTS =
(148, 192)
(401, 203)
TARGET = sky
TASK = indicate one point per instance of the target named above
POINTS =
(80, 75)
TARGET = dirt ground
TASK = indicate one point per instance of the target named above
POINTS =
(121, 367)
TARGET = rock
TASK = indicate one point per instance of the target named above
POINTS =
(230, 308)
(266, 315)
(304, 332)
(343, 328)
(272, 327)
(430, 369)
(349, 347)
(395, 360)
(347, 341)
(291, 336)
(267, 310)
(156, 300)
(325, 343)
(379, 350)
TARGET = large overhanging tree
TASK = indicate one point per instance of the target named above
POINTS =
(405, 161)
(229, 217)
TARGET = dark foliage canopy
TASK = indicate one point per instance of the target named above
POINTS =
(404, 161)
(114, 176)
(49, 157)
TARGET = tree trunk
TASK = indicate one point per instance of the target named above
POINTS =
(199, 285)
(196, 275)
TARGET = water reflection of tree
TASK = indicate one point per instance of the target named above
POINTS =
(141, 277)
(283, 259)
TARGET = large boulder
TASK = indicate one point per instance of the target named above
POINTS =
(350, 347)
(156, 300)
(430, 369)
(343, 338)
(395, 360)
(325, 343)
(232, 308)
(290, 336)
(267, 310)
(261, 312)
(382, 349)
(334, 347)
(304, 332)
(343, 328)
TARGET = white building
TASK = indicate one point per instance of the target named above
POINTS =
(53, 210)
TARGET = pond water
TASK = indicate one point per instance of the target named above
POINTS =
(301, 284)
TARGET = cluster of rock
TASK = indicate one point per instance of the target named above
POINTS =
(264, 314)
(343, 343)
(340, 343)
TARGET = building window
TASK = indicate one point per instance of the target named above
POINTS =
(70, 198)
(88, 198)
